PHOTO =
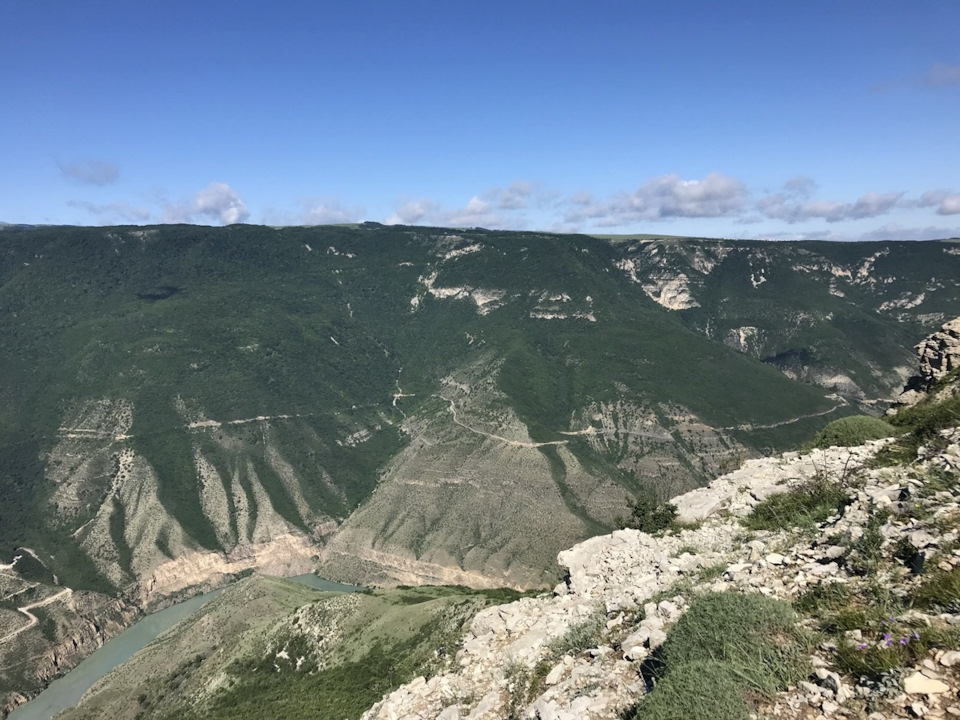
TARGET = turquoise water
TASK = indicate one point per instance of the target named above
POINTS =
(66, 691)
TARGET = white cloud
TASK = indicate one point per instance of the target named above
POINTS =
(218, 201)
(315, 211)
(90, 172)
(946, 203)
(800, 186)
(514, 197)
(893, 231)
(331, 212)
(667, 196)
(784, 207)
(941, 74)
(411, 212)
(476, 213)
(113, 211)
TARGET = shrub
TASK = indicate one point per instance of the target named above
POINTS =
(649, 515)
(726, 649)
(853, 430)
(924, 421)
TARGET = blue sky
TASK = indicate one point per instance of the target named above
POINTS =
(816, 119)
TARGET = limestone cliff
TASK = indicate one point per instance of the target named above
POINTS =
(939, 354)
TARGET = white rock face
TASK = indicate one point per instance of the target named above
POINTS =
(673, 292)
(938, 353)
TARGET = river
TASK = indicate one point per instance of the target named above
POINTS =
(66, 691)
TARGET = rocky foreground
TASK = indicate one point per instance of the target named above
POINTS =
(580, 653)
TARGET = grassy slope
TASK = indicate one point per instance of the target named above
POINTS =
(227, 660)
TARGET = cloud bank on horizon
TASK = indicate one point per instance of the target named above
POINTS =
(773, 121)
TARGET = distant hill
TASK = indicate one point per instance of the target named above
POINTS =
(416, 403)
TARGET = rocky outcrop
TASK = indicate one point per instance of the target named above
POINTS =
(579, 652)
(284, 556)
(939, 354)
(88, 635)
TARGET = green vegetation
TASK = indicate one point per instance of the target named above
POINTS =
(894, 644)
(317, 325)
(922, 423)
(579, 637)
(649, 515)
(853, 430)
(727, 648)
(802, 507)
(940, 591)
(273, 648)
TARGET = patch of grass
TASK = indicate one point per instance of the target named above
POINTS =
(711, 572)
(755, 635)
(706, 689)
(823, 597)
(852, 430)
(893, 645)
(579, 637)
(923, 423)
(726, 651)
(866, 552)
(803, 507)
(939, 591)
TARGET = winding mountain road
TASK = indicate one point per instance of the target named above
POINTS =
(31, 618)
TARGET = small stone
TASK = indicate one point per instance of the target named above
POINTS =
(918, 709)
(450, 713)
(950, 658)
(827, 679)
(920, 684)
(656, 639)
(775, 559)
(829, 708)
(835, 551)
(668, 609)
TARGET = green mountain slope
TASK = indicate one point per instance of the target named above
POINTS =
(840, 315)
(180, 389)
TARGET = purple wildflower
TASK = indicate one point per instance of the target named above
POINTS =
(862, 646)
(904, 641)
